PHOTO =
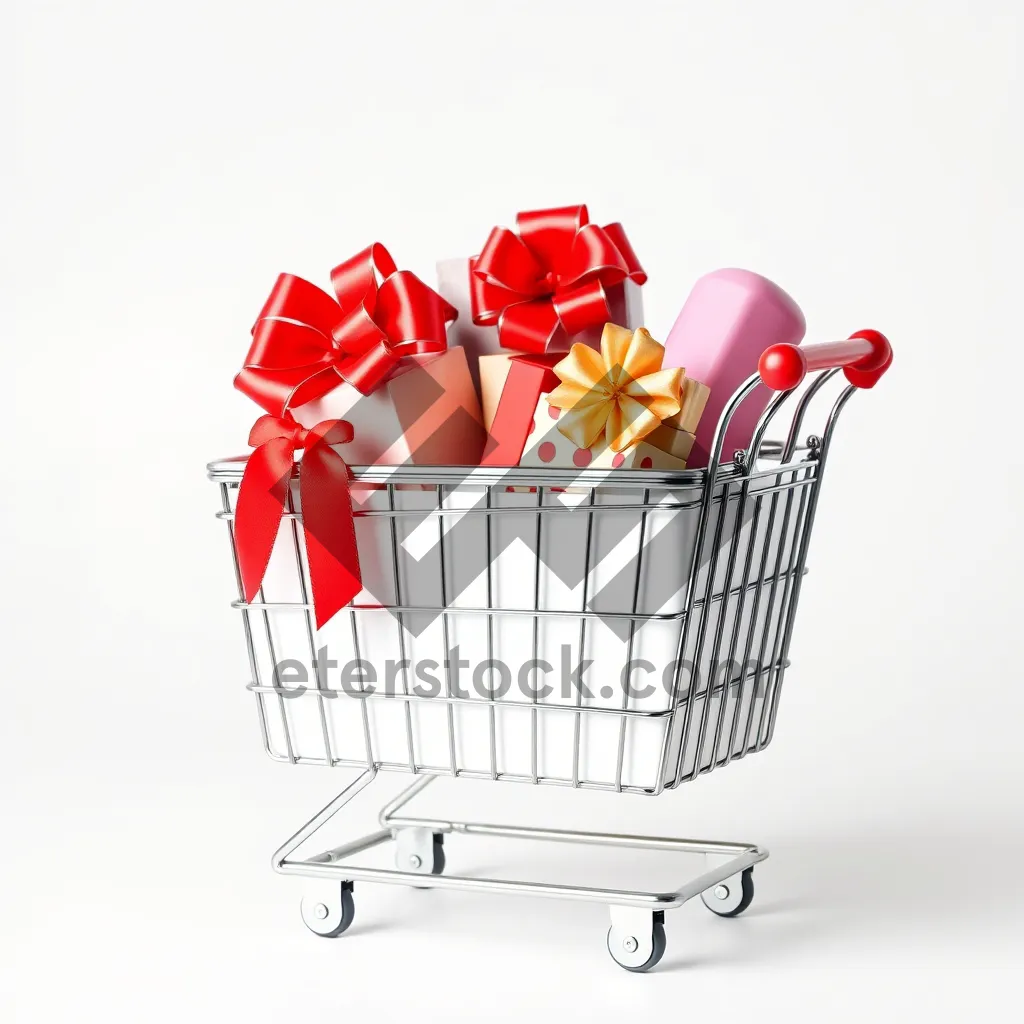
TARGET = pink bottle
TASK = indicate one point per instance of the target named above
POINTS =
(728, 320)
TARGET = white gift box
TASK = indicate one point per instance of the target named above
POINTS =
(489, 559)
(546, 445)
(625, 303)
(426, 413)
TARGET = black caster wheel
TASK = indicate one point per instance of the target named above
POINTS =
(329, 915)
(626, 949)
(437, 867)
(731, 897)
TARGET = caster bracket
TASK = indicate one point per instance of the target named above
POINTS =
(419, 849)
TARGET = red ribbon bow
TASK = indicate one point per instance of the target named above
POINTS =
(546, 283)
(327, 518)
(305, 342)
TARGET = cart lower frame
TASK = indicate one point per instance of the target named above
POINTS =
(636, 938)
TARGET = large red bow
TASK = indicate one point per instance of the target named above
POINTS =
(328, 523)
(546, 283)
(305, 343)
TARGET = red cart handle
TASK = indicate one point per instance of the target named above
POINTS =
(864, 357)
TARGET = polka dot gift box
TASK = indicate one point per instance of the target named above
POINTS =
(610, 407)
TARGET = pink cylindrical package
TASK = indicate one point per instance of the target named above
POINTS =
(728, 320)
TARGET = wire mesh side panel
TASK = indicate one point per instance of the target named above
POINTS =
(535, 634)
(734, 654)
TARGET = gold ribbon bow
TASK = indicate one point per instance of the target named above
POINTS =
(621, 392)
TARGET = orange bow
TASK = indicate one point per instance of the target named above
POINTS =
(621, 392)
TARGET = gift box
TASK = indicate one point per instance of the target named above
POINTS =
(615, 409)
(374, 354)
(510, 389)
(550, 447)
(693, 398)
(427, 413)
(552, 283)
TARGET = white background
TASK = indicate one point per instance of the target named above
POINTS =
(171, 159)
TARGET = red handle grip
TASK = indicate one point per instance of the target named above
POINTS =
(864, 357)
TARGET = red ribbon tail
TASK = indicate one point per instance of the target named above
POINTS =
(330, 531)
(262, 497)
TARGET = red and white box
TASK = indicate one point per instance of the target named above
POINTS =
(511, 388)
(427, 414)
(548, 446)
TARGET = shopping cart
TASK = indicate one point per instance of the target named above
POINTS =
(692, 577)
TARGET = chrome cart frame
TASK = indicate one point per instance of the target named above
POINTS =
(755, 526)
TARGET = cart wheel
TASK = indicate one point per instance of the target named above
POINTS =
(437, 868)
(731, 897)
(420, 850)
(637, 953)
(327, 916)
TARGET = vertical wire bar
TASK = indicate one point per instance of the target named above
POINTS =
(714, 663)
(363, 709)
(708, 500)
(261, 597)
(754, 632)
(404, 661)
(741, 685)
(577, 717)
(280, 697)
(664, 777)
(444, 626)
(773, 589)
(261, 709)
(492, 724)
(703, 628)
(620, 756)
(536, 625)
(310, 630)
(660, 780)
(776, 671)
